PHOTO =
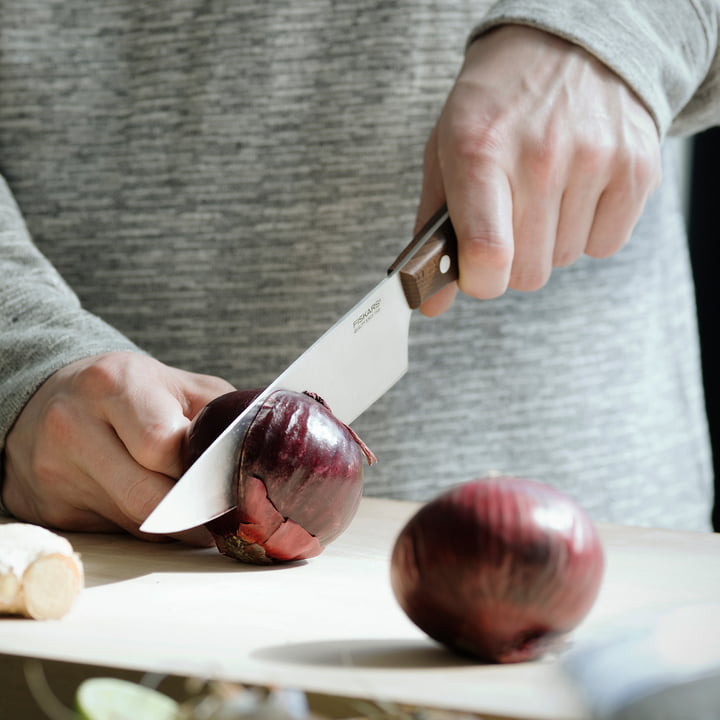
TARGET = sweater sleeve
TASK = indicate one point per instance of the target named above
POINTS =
(42, 324)
(666, 50)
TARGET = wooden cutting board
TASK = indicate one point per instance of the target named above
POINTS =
(331, 624)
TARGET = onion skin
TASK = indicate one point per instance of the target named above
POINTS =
(212, 420)
(298, 475)
(498, 568)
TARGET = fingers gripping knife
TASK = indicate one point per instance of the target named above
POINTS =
(350, 366)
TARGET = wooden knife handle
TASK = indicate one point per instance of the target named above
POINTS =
(432, 262)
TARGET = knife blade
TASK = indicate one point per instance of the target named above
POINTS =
(350, 366)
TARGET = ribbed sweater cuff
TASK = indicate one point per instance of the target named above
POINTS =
(661, 49)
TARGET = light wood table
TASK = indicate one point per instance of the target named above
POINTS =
(331, 624)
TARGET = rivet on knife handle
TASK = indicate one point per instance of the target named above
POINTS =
(433, 262)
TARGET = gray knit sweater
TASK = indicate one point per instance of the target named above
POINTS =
(216, 182)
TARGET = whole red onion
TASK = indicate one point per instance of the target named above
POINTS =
(298, 475)
(498, 568)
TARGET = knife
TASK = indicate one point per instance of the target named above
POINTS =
(350, 366)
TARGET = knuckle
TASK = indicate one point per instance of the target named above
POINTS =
(591, 157)
(477, 144)
(486, 280)
(157, 449)
(638, 162)
(50, 505)
(100, 378)
(544, 158)
(58, 425)
(53, 515)
(528, 278)
(645, 173)
(485, 264)
(137, 499)
(564, 257)
(489, 250)
(605, 245)
(43, 470)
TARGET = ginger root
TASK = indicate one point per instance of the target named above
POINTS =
(40, 574)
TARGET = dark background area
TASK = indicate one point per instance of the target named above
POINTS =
(704, 231)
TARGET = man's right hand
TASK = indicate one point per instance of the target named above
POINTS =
(542, 154)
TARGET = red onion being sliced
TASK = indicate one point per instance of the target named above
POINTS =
(498, 568)
(298, 475)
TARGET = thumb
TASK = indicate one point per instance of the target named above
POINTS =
(198, 390)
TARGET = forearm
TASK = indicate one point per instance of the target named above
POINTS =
(42, 325)
(666, 50)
